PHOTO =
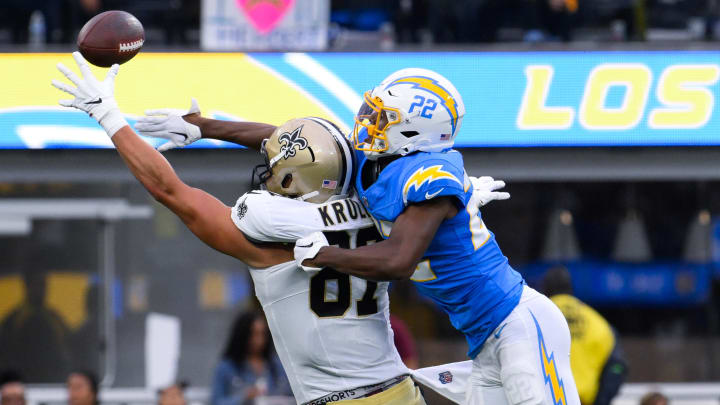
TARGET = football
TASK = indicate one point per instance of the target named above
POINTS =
(111, 37)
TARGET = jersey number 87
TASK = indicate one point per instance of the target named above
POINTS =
(319, 282)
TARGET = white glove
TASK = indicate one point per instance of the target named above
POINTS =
(94, 97)
(484, 190)
(307, 248)
(168, 123)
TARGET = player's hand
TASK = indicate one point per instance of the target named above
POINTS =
(169, 124)
(92, 96)
(307, 248)
(485, 190)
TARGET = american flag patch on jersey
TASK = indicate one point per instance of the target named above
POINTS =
(331, 184)
(444, 137)
(446, 377)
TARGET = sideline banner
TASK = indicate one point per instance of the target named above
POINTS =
(512, 99)
(264, 25)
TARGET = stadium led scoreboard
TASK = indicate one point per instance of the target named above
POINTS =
(512, 99)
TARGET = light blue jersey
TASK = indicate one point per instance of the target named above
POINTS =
(463, 269)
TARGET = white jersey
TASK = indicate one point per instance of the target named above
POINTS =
(331, 331)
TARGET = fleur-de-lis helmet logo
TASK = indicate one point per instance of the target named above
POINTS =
(291, 142)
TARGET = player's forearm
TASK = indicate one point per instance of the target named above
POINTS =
(249, 134)
(378, 262)
(396, 257)
(146, 164)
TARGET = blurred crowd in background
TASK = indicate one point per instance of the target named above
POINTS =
(82, 387)
(426, 22)
(473, 21)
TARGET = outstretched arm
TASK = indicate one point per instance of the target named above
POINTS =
(249, 134)
(396, 257)
(182, 128)
(205, 216)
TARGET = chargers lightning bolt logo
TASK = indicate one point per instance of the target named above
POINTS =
(423, 175)
(432, 86)
(549, 368)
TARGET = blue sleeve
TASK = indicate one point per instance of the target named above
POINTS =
(429, 179)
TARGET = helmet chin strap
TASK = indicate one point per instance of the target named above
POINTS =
(308, 195)
(274, 160)
(338, 197)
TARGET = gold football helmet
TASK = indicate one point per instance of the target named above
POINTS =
(306, 158)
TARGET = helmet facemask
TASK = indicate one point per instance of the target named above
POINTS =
(262, 172)
(371, 124)
(411, 110)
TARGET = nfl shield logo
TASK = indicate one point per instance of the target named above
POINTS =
(445, 377)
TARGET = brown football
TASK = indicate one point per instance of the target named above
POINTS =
(111, 37)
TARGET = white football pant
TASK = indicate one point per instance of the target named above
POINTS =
(525, 361)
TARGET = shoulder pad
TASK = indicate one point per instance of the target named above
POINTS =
(267, 217)
(432, 178)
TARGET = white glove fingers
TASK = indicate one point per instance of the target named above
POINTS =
(485, 179)
(112, 73)
(66, 103)
(144, 127)
(153, 130)
(159, 111)
(83, 65)
(152, 119)
(194, 107)
(148, 127)
(69, 74)
(166, 146)
(65, 87)
(501, 195)
(496, 185)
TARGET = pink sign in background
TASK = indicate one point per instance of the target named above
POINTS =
(264, 15)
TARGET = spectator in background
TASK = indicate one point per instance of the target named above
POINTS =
(559, 17)
(404, 342)
(249, 367)
(84, 343)
(654, 398)
(33, 338)
(173, 395)
(82, 388)
(60, 18)
(410, 18)
(12, 389)
(596, 358)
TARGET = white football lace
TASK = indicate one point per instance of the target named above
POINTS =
(131, 46)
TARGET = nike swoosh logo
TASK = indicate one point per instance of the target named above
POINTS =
(497, 334)
(305, 246)
(429, 196)
(179, 133)
(98, 101)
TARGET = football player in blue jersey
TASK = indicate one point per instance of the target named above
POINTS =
(415, 186)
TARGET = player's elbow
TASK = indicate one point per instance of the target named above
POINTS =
(400, 267)
(166, 193)
(161, 194)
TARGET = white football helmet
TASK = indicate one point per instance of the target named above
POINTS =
(411, 110)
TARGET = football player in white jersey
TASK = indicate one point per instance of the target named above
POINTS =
(330, 330)
(518, 339)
